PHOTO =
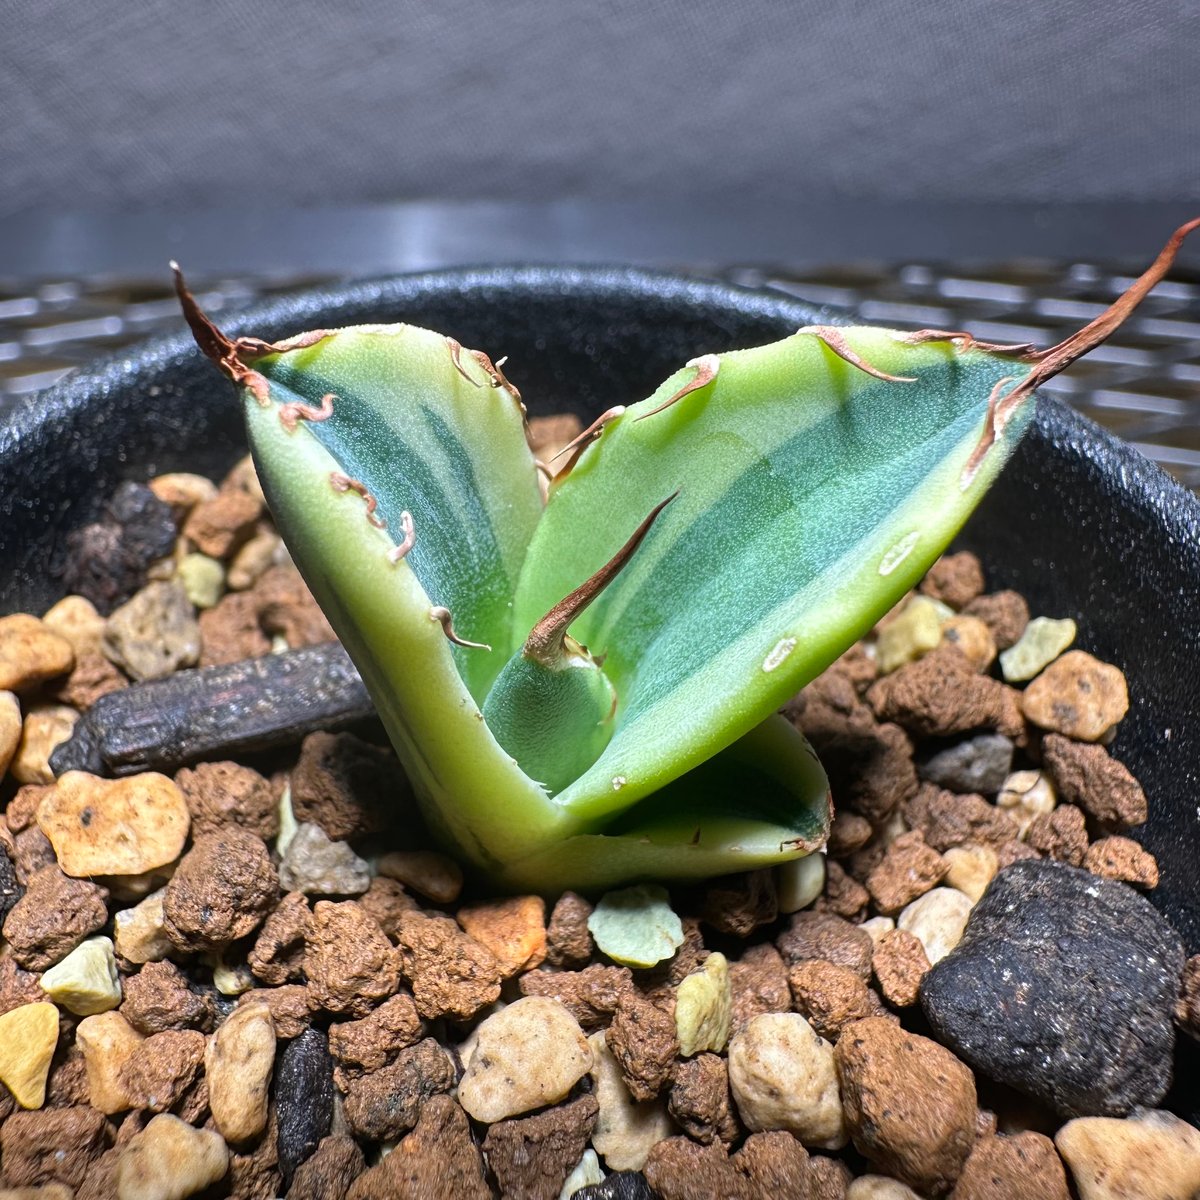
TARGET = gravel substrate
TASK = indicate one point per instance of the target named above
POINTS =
(260, 979)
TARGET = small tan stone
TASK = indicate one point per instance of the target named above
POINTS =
(1151, 1156)
(44, 1191)
(250, 563)
(704, 1008)
(1078, 696)
(529, 1054)
(46, 726)
(937, 919)
(625, 1131)
(1042, 642)
(86, 981)
(10, 728)
(970, 868)
(425, 872)
(182, 490)
(514, 930)
(155, 633)
(107, 1041)
(31, 653)
(915, 631)
(972, 636)
(76, 619)
(238, 1065)
(879, 1187)
(1025, 796)
(28, 1036)
(114, 826)
(203, 579)
(169, 1160)
(138, 932)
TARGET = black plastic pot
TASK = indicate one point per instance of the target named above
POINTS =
(1079, 523)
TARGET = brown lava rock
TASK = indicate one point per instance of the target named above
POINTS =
(218, 526)
(843, 895)
(335, 1164)
(848, 832)
(230, 632)
(291, 1007)
(531, 1157)
(67, 1085)
(54, 1145)
(908, 869)
(909, 1103)
(948, 819)
(438, 1158)
(278, 952)
(451, 974)
(32, 852)
(347, 786)
(164, 1067)
(223, 888)
(386, 901)
(382, 1105)
(830, 997)
(568, 942)
(372, 1042)
(21, 812)
(350, 964)
(759, 984)
(699, 1099)
(1014, 850)
(17, 986)
(92, 677)
(1122, 858)
(53, 917)
(590, 995)
(1061, 834)
(642, 1039)
(823, 935)
(1187, 1007)
(739, 904)
(287, 608)
(1088, 776)
(900, 963)
(159, 998)
(1012, 1168)
(226, 793)
(941, 695)
(955, 579)
(768, 1165)
(1005, 613)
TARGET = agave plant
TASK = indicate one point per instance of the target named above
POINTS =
(582, 672)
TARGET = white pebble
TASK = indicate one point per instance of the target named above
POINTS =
(317, 866)
(799, 882)
(626, 1131)
(879, 1187)
(528, 1055)
(585, 1173)
(876, 927)
(782, 1076)
(937, 920)
(1026, 795)
(971, 868)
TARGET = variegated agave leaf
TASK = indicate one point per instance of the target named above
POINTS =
(706, 552)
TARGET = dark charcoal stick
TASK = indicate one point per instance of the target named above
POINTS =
(253, 705)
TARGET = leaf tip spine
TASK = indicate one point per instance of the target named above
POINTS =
(833, 339)
(707, 367)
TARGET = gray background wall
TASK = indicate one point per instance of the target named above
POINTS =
(115, 104)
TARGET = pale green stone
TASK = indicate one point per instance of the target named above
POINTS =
(86, 981)
(916, 631)
(585, 1173)
(288, 825)
(704, 1008)
(799, 882)
(636, 926)
(1042, 642)
(203, 579)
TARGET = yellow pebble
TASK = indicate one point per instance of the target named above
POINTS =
(28, 1036)
(704, 1008)
(916, 631)
(86, 981)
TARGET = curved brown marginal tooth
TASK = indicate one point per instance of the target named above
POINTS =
(442, 615)
(1048, 363)
(498, 378)
(834, 339)
(964, 341)
(343, 483)
(456, 358)
(578, 444)
(252, 347)
(408, 541)
(290, 414)
(707, 366)
(545, 642)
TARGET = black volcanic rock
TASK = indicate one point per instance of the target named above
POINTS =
(1063, 987)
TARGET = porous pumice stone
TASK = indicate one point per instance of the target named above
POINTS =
(636, 926)
(1063, 987)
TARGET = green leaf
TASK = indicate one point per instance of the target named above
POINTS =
(812, 496)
